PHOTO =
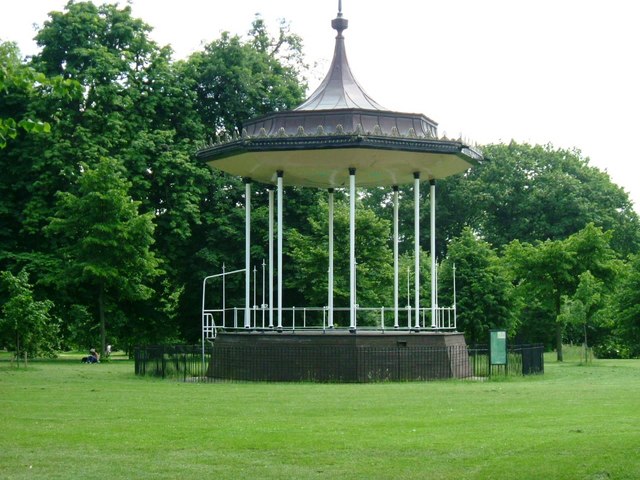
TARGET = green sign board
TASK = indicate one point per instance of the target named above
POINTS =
(498, 347)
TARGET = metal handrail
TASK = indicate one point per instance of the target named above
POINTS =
(299, 320)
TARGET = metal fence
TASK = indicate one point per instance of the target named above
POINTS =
(334, 364)
(180, 362)
(521, 360)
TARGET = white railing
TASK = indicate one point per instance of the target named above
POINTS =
(306, 318)
(316, 318)
(209, 329)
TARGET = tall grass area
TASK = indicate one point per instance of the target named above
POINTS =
(65, 420)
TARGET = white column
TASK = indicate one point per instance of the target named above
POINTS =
(247, 254)
(224, 297)
(280, 227)
(396, 300)
(264, 286)
(254, 307)
(352, 248)
(455, 308)
(416, 254)
(330, 285)
(434, 279)
(271, 205)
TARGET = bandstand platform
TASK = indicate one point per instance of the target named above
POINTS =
(339, 356)
(338, 139)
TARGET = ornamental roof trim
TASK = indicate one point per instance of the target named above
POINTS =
(320, 139)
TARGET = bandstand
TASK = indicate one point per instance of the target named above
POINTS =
(339, 138)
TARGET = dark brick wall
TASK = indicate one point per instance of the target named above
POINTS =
(339, 356)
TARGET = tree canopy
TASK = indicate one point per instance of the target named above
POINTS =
(104, 204)
(26, 324)
(103, 243)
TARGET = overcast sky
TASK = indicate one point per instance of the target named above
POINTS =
(560, 71)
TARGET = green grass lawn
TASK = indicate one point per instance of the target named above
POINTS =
(65, 420)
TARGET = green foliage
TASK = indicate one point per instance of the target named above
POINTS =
(103, 90)
(485, 296)
(81, 329)
(548, 271)
(237, 80)
(104, 243)
(26, 324)
(18, 79)
(535, 193)
(136, 107)
(309, 252)
(626, 311)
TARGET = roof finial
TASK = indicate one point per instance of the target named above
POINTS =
(339, 23)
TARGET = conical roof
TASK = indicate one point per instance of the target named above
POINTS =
(338, 128)
(339, 89)
(341, 104)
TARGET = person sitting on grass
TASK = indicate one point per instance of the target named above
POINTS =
(94, 357)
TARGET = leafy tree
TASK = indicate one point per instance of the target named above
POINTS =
(455, 209)
(580, 309)
(86, 45)
(535, 193)
(309, 253)
(286, 47)
(18, 78)
(485, 296)
(548, 271)
(237, 80)
(544, 273)
(22, 88)
(26, 323)
(104, 243)
(137, 107)
(523, 192)
(626, 309)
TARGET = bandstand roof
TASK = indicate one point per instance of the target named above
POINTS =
(337, 128)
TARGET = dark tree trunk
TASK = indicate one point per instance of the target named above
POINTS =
(559, 341)
(103, 329)
(559, 328)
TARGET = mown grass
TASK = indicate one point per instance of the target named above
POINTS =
(65, 420)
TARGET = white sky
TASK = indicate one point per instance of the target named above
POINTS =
(537, 71)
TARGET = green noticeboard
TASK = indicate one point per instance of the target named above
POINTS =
(498, 347)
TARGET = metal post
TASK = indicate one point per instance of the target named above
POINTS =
(224, 306)
(434, 280)
(396, 298)
(271, 204)
(280, 227)
(352, 248)
(224, 297)
(204, 283)
(408, 297)
(247, 256)
(255, 291)
(330, 292)
(455, 308)
(263, 305)
(437, 279)
(416, 253)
